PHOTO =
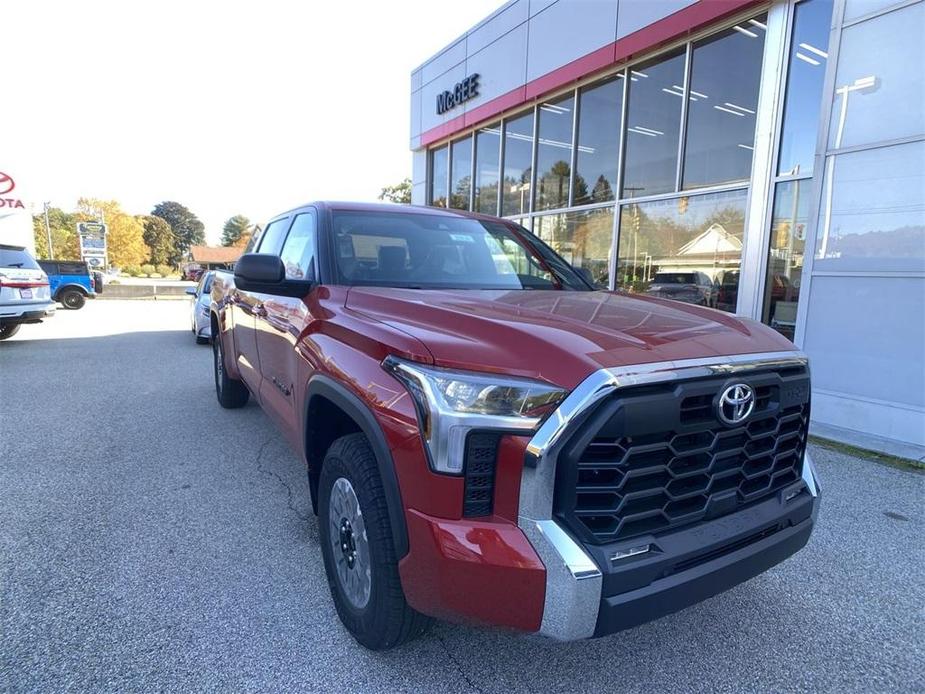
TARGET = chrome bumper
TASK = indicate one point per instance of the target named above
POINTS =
(573, 580)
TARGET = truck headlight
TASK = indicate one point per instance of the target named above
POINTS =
(450, 404)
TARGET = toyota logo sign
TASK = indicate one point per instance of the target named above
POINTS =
(736, 403)
(6, 183)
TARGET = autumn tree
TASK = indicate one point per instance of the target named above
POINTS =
(125, 242)
(235, 227)
(64, 240)
(400, 192)
(188, 230)
(158, 236)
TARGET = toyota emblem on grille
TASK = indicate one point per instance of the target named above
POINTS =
(736, 403)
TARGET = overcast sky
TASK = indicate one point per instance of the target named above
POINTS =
(242, 107)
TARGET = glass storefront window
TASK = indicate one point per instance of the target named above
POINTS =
(438, 172)
(687, 248)
(880, 84)
(487, 163)
(554, 154)
(518, 154)
(723, 101)
(584, 239)
(872, 216)
(598, 137)
(460, 173)
(806, 72)
(785, 258)
(653, 126)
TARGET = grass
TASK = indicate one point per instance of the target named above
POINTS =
(882, 458)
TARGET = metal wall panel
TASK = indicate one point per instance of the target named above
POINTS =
(445, 82)
(500, 66)
(497, 25)
(636, 14)
(449, 57)
(568, 30)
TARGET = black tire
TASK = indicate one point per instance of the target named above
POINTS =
(8, 330)
(386, 620)
(231, 392)
(200, 340)
(72, 299)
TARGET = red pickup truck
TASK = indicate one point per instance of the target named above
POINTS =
(490, 439)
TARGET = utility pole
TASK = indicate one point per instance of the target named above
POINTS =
(51, 252)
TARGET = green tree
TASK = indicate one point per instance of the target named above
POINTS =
(188, 230)
(400, 193)
(158, 237)
(64, 240)
(125, 241)
(234, 229)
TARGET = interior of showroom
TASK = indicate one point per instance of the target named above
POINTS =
(754, 157)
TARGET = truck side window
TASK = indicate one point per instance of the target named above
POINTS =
(299, 249)
(272, 239)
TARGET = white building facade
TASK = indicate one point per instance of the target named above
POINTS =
(763, 158)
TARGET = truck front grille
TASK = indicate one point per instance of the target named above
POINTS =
(658, 458)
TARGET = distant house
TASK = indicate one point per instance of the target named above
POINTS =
(214, 257)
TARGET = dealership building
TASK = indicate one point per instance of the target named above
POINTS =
(763, 158)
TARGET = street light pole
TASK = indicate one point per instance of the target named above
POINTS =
(51, 252)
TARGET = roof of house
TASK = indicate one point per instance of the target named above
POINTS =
(215, 254)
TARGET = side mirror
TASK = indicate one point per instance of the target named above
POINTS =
(266, 274)
(191, 291)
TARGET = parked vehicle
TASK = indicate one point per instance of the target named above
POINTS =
(489, 439)
(191, 272)
(24, 293)
(72, 282)
(199, 308)
(689, 287)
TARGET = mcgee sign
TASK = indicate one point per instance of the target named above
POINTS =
(463, 91)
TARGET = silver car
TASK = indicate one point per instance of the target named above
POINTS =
(25, 296)
(199, 308)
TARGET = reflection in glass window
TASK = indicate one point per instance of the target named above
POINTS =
(487, 153)
(299, 248)
(438, 173)
(584, 239)
(785, 258)
(653, 124)
(805, 74)
(872, 214)
(880, 84)
(554, 154)
(684, 248)
(723, 101)
(598, 142)
(460, 173)
(518, 154)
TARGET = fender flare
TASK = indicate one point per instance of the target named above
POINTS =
(71, 285)
(359, 412)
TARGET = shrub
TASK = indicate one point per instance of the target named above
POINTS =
(132, 270)
(164, 270)
(147, 270)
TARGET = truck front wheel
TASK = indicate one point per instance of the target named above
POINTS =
(358, 548)
(231, 392)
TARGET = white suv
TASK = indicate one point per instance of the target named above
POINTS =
(24, 293)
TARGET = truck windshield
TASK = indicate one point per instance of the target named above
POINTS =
(394, 249)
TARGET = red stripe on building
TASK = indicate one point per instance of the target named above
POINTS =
(677, 25)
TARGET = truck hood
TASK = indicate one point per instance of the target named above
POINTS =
(558, 336)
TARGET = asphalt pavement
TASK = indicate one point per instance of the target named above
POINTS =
(151, 541)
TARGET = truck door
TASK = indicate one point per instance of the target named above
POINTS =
(247, 306)
(280, 324)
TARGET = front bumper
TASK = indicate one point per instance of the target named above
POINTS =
(590, 591)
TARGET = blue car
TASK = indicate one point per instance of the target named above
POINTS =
(72, 282)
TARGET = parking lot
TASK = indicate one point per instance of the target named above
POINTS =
(151, 541)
